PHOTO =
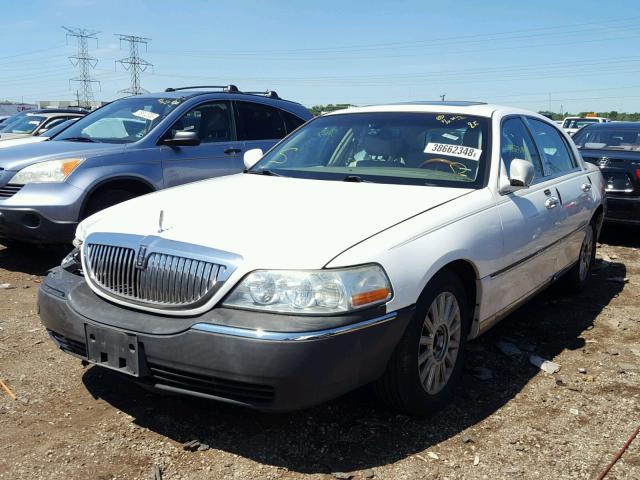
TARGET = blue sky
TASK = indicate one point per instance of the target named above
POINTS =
(581, 55)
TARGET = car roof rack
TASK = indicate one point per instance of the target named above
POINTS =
(266, 93)
(226, 88)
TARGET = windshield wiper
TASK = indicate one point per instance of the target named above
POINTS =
(355, 178)
(264, 171)
(79, 139)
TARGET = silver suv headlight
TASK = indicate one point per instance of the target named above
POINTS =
(312, 291)
(53, 171)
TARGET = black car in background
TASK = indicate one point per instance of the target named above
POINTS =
(615, 148)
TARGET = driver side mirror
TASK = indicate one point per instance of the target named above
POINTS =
(251, 157)
(183, 138)
(521, 173)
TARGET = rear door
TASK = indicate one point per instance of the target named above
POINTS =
(219, 152)
(259, 125)
(573, 188)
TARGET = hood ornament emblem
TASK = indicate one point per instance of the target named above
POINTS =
(160, 222)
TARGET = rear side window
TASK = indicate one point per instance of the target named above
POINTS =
(291, 121)
(516, 142)
(257, 121)
(555, 152)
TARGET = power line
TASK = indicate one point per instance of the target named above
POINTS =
(83, 61)
(133, 63)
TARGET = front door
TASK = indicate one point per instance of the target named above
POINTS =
(529, 218)
(219, 153)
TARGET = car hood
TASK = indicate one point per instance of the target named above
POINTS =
(24, 155)
(21, 141)
(272, 222)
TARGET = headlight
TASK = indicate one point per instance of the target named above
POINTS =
(312, 291)
(72, 262)
(47, 172)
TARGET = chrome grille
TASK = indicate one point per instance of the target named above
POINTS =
(9, 190)
(159, 279)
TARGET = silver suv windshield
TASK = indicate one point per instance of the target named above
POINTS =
(23, 124)
(123, 121)
(441, 149)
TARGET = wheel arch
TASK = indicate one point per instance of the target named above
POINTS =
(125, 182)
(467, 272)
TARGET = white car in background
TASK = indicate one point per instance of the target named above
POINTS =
(367, 246)
(572, 124)
(43, 137)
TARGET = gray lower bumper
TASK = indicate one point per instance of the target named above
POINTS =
(278, 368)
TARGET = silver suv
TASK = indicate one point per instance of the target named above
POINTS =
(130, 147)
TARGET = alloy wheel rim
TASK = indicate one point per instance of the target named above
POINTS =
(586, 254)
(439, 342)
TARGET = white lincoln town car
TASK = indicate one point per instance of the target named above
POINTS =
(366, 247)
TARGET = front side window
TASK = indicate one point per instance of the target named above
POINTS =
(257, 121)
(210, 121)
(123, 121)
(24, 124)
(607, 138)
(516, 142)
(436, 149)
(52, 123)
(554, 150)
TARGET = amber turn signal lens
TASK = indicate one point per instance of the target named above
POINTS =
(70, 166)
(360, 299)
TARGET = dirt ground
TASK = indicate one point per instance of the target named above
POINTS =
(88, 423)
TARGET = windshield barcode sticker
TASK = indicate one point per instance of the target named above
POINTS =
(146, 115)
(459, 151)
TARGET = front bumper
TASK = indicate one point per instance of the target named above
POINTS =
(623, 210)
(30, 225)
(221, 354)
(41, 213)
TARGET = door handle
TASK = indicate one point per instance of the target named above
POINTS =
(585, 187)
(231, 151)
(551, 202)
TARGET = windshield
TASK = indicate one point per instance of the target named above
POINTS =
(578, 122)
(53, 131)
(440, 149)
(608, 138)
(23, 124)
(123, 121)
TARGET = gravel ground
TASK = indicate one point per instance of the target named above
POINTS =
(78, 423)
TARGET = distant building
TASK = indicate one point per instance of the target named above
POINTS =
(10, 108)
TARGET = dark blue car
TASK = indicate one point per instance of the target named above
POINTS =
(130, 147)
(615, 148)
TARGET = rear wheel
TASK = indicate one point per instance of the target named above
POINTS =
(578, 276)
(426, 365)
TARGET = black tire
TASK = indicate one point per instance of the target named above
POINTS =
(105, 199)
(401, 387)
(577, 278)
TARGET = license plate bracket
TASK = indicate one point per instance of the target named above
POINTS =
(113, 349)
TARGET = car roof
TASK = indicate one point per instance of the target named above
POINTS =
(456, 107)
(614, 125)
(187, 93)
(79, 111)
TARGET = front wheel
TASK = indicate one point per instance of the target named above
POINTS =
(426, 365)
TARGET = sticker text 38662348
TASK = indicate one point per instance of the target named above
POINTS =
(459, 151)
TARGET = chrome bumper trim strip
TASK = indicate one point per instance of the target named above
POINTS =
(291, 336)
